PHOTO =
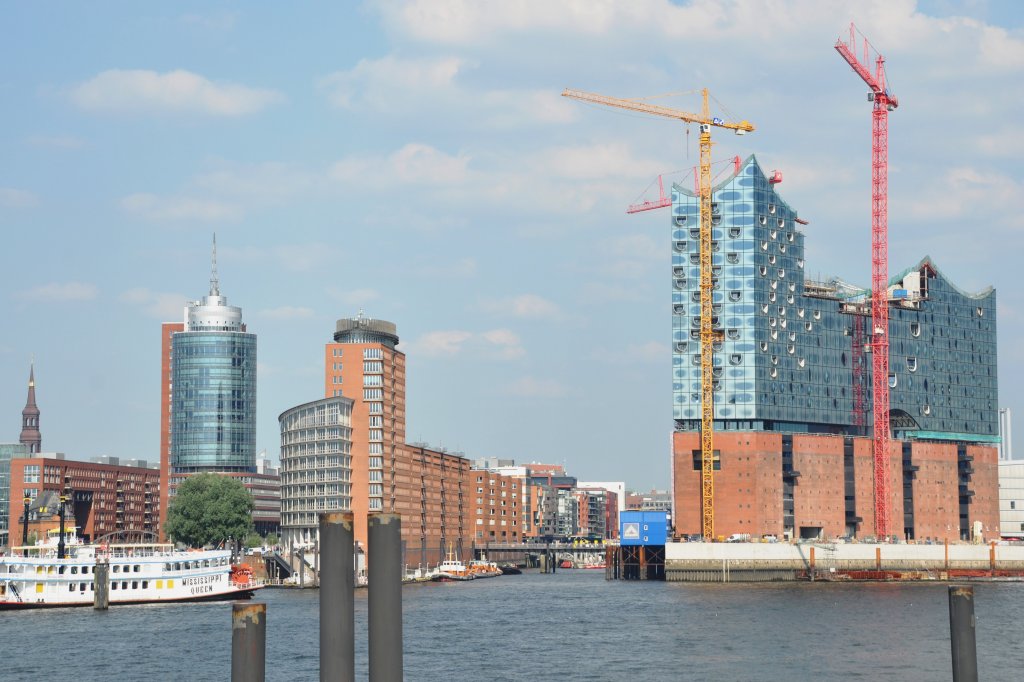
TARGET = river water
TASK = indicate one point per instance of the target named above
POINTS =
(572, 625)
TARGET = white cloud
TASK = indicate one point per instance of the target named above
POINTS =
(162, 306)
(531, 387)
(353, 297)
(17, 198)
(414, 164)
(962, 190)
(175, 92)
(524, 305)
(383, 84)
(179, 208)
(60, 292)
(430, 86)
(441, 342)
(506, 342)
(502, 344)
(286, 313)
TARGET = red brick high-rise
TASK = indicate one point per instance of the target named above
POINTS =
(427, 487)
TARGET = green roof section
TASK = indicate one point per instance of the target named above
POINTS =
(944, 436)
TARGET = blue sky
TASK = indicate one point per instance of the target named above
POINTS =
(415, 160)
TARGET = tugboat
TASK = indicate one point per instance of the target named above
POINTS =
(61, 572)
(452, 569)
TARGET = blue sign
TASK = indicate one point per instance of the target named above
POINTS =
(717, 121)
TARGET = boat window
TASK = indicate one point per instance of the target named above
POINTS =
(177, 565)
(113, 585)
(74, 569)
(92, 587)
(81, 587)
(136, 568)
(135, 584)
(124, 584)
(145, 584)
(116, 568)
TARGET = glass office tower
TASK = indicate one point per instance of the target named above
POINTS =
(213, 397)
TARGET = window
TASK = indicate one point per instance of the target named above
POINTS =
(735, 295)
(31, 473)
(376, 421)
(373, 367)
(915, 329)
(732, 257)
(373, 354)
(373, 380)
(373, 394)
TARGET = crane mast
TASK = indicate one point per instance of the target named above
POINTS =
(883, 102)
(707, 332)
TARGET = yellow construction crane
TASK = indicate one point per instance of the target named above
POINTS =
(707, 333)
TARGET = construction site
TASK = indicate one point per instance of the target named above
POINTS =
(820, 410)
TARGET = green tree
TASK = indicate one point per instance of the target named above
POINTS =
(209, 509)
(272, 539)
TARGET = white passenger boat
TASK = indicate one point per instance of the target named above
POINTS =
(142, 573)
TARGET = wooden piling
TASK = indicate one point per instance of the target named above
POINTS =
(248, 642)
(384, 539)
(101, 585)
(962, 641)
(337, 598)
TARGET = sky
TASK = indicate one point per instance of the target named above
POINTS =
(415, 160)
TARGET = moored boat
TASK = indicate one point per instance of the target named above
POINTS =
(452, 568)
(481, 568)
(137, 573)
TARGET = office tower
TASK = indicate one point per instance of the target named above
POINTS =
(426, 486)
(208, 392)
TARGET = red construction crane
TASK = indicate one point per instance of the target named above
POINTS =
(883, 102)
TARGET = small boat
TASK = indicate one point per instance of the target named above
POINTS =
(600, 565)
(137, 573)
(452, 569)
(510, 570)
(481, 568)
(566, 563)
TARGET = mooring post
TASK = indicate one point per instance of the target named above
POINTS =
(248, 642)
(101, 585)
(316, 563)
(337, 598)
(961, 633)
(878, 558)
(384, 538)
(643, 564)
(302, 567)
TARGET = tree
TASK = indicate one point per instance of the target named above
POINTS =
(209, 509)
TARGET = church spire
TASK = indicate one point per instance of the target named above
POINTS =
(30, 415)
(214, 283)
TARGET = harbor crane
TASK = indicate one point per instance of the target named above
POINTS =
(883, 102)
(707, 333)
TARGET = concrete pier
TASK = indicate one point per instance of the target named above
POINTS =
(757, 562)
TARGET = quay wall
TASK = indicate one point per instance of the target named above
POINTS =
(740, 556)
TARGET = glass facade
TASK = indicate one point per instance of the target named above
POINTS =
(8, 451)
(792, 352)
(316, 466)
(213, 404)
